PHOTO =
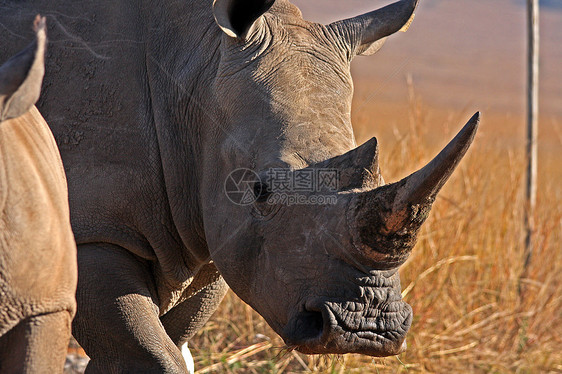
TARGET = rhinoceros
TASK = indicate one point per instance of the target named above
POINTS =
(38, 270)
(156, 106)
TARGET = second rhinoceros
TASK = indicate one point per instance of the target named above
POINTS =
(37, 250)
(156, 107)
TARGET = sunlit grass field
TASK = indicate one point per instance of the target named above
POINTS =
(477, 309)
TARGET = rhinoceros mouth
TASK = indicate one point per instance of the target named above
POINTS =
(339, 327)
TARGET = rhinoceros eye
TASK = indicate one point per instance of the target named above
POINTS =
(261, 192)
(264, 209)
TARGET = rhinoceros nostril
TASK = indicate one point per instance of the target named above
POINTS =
(310, 325)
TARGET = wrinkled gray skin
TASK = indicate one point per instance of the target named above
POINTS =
(154, 105)
(38, 271)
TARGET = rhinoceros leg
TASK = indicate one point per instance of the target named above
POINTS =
(36, 345)
(117, 318)
(185, 319)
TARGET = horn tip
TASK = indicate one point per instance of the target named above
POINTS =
(472, 124)
(373, 141)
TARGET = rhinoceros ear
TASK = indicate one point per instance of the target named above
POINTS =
(22, 75)
(367, 33)
(237, 17)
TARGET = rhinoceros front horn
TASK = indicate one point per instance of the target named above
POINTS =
(385, 221)
(426, 183)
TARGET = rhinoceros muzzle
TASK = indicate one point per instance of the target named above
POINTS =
(374, 322)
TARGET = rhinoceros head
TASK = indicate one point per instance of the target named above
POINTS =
(320, 267)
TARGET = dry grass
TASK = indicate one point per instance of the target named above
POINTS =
(463, 278)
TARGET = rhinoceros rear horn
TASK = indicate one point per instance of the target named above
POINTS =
(236, 17)
(358, 168)
(367, 33)
(22, 75)
(386, 220)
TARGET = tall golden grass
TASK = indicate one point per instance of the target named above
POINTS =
(476, 308)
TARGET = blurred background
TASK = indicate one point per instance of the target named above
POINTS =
(462, 54)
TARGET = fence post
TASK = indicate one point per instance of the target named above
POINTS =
(532, 124)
